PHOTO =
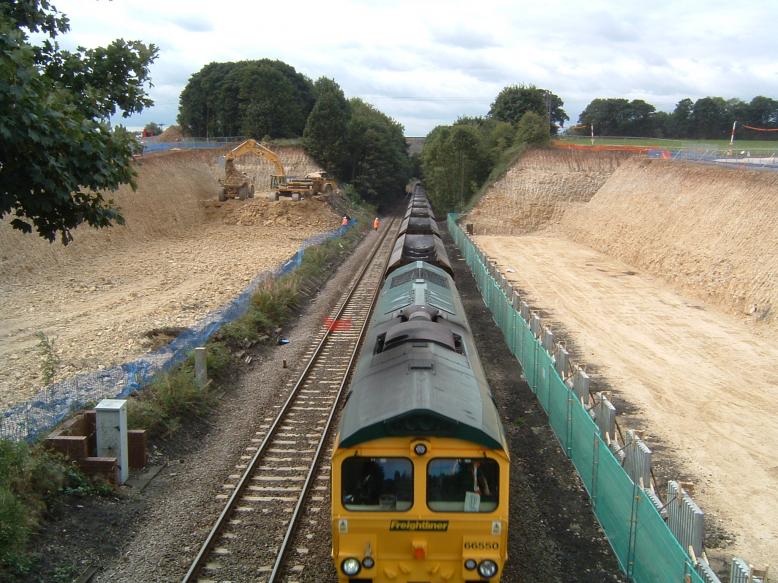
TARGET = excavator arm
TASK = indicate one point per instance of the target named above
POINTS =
(254, 147)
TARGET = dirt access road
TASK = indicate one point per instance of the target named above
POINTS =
(690, 370)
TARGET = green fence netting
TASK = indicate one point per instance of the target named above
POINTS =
(645, 547)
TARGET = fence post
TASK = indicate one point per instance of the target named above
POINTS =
(595, 469)
(633, 529)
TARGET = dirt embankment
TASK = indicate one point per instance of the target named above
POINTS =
(180, 255)
(666, 281)
(709, 231)
(540, 188)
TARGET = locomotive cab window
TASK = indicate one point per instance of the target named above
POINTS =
(377, 484)
(463, 485)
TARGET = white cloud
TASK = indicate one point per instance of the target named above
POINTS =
(429, 62)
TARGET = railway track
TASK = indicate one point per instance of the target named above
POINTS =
(250, 539)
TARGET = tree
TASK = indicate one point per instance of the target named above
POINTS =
(515, 100)
(619, 117)
(681, 124)
(455, 162)
(377, 161)
(709, 119)
(532, 129)
(250, 98)
(152, 129)
(57, 148)
(325, 130)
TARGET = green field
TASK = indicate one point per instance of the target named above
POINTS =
(768, 145)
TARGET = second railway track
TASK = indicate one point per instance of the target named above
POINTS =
(249, 540)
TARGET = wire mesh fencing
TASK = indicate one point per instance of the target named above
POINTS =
(29, 419)
(645, 548)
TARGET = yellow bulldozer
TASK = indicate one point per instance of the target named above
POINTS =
(237, 184)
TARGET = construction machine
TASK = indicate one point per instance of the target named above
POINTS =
(296, 188)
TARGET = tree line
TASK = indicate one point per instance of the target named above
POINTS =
(260, 99)
(457, 160)
(705, 118)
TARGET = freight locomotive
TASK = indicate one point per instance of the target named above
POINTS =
(420, 468)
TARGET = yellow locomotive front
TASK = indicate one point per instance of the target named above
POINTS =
(408, 510)
(420, 471)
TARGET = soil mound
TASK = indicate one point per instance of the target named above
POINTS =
(310, 212)
(710, 231)
(539, 188)
(171, 134)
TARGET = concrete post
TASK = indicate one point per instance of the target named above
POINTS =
(201, 367)
(562, 359)
(548, 340)
(111, 429)
(581, 385)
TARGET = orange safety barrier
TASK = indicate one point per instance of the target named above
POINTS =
(606, 148)
(760, 129)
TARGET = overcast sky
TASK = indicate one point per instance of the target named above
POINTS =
(428, 62)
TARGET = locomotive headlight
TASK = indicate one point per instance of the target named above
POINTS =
(351, 566)
(420, 449)
(470, 564)
(487, 568)
(368, 562)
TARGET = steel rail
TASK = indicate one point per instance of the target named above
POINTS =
(325, 434)
(218, 526)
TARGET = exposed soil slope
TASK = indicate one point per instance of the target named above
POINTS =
(539, 188)
(710, 231)
(181, 254)
(702, 383)
(666, 280)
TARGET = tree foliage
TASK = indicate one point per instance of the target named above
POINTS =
(618, 117)
(705, 118)
(377, 163)
(532, 129)
(248, 98)
(516, 100)
(57, 148)
(326, 129)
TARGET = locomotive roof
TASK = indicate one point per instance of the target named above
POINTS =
(419, 377)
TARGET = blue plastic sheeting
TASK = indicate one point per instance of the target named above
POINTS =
(25, 421)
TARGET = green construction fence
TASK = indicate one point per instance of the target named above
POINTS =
(646, 549)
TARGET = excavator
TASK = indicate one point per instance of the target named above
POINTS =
(236, 183)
